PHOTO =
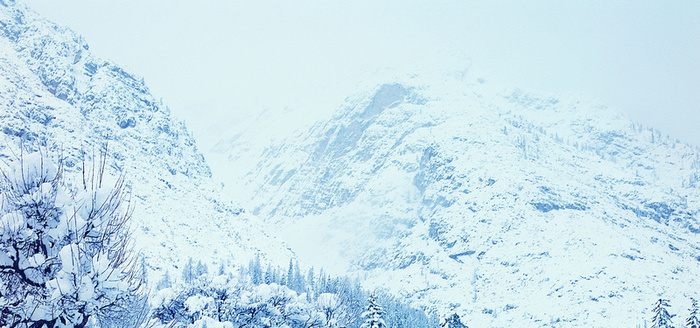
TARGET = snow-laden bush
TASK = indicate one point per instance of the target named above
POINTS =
(224, 302)
(334, 312)
(64, 255)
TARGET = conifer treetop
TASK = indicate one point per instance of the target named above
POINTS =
(662, 319)
(692, 321)
(374, 314)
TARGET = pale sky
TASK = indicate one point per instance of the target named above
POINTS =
(215, 61)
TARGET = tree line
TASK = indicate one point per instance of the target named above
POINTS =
(250, 296)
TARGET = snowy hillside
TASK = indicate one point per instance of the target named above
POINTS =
(53, 92)
(506, 207)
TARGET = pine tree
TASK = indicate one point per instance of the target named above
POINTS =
(693, 321)
(222, 269)
(242, 273)
(165, 281)
(299, 283)
(311, 281)
(453, 321)
(321, 283)
(202, 269)
(374, 314)
(188, 273)
(290, 274)
(256, 277)
(64, 254)
(662, 319)
(269, 275)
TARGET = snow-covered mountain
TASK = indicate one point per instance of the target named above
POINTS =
(509, 208)
(55, 94)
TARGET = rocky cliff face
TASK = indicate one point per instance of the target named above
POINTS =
(504, 206)
(55, 95)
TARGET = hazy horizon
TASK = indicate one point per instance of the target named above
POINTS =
(213, 62)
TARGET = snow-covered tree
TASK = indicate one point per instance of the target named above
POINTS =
(188, 271)
(693, 321)
(64, 254)
(453, 321)
(271, 275)
(224, 302)
(299, 283)
(310, 279)
(201, 269)
(255, 268)
(290, 275)
(164, 282)
(374, 314)
(335, 312)
(662, 319)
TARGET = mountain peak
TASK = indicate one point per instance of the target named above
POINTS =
(500, 204)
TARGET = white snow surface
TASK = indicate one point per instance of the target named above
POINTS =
(507, 207)
(56, 97)
(503, 205)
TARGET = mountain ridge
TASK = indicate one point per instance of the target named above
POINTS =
(446, 190)
(60, 97)
(506, 207)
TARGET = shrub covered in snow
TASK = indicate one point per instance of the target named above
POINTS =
(223, 302)
(316, 301)
(64, 255)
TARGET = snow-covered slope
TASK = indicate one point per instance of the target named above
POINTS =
(509, 208)
(53, 92)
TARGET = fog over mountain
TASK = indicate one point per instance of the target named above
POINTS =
(240, 58)
(502, 205)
